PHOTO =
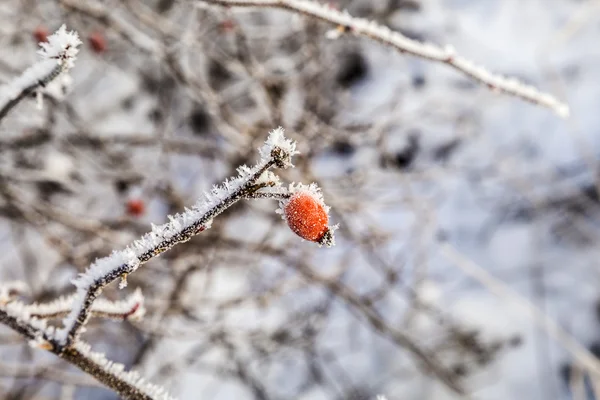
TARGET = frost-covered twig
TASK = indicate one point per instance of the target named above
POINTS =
(360, 26)
(130, 308)
(58, 57)
(277, 151)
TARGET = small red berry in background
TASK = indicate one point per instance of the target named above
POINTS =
(135, 207)
(41, 34)
(227, 26)
(97, 42)
(306, 215)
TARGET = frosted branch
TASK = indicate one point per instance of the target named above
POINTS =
(363, 27)
(277, 151)
(129, 385)
(58, 57)
(130, 308)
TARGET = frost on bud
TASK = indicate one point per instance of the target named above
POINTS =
(307, 215)
(278, 148)
(62, 47)
(58, 55)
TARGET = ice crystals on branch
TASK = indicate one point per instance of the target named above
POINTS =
(155, 392)
(278, 147)
(277, 150)
(58, 57)
(130, 308)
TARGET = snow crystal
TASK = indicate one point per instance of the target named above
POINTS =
(131, 308)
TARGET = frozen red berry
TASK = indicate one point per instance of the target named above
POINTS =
(41, 34)
(306, 216)
(97, 42)
(136, 207)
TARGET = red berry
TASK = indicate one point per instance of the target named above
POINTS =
(306, 216)
(41, 34)
(136, 207)
(227, 25)
(97, 42)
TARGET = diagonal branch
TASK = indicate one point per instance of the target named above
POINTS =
(277, 151)
(363, 27)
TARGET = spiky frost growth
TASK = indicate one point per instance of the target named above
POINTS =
(41, 334)
(447, 55)
(279, 148)
(58, 57)
(117, 370)
(62, 47)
